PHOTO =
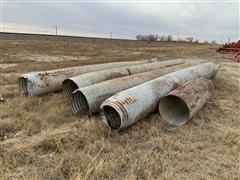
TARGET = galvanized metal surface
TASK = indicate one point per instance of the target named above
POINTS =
(87, 100)
(83, 80)
(129, 106)
(37, 83)
(181, 104)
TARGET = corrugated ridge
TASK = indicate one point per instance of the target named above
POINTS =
(91, 78)
(97, 93)
(51, 81)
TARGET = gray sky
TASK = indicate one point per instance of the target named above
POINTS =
(203, 20)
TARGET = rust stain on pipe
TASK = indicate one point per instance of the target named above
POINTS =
(146, 96)
(180, 105)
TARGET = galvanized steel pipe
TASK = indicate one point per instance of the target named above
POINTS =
(129, 106)
(180, 105)
(37, 83)
(83, 80)
(87, 100)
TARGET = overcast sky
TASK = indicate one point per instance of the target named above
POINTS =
(203, 20)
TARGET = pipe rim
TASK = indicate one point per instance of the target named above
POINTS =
(79, 104)
(68, 87)
(112, 117)
(174, 110)
(23, 83)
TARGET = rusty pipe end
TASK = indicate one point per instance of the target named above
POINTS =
(184, 102)
(111, 117)
(68, 86)
(79, 103)
(112, 114)
(23, 84)
(174, 110)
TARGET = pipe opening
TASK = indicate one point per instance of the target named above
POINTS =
(22, 82)
(174, 110)
(68, 86)
(112, 117)
(79, 104)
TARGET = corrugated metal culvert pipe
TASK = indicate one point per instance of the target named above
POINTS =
(180, 105)
(129, 106)
(76, 82)
(37, 83)
(87, 100)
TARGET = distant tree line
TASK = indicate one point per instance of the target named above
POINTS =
(156, 37)
(212, 42)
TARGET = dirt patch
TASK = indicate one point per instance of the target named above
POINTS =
(124, 52)
(5, 66)
(50, 58)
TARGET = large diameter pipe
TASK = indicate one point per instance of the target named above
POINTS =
(181, 104)
(42, 82)
(76, 82)
(127, 107)
(87, 100)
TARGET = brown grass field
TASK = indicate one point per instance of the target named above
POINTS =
(41, 139)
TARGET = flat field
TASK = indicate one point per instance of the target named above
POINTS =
(41, 139)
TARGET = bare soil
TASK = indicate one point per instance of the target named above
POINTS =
(41, 139)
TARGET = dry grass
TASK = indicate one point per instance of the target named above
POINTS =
(41, 139)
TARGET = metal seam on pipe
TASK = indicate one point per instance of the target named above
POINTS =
(87, 79)
(37, 83)
(181, 104)
(97, 93)
(137, 102)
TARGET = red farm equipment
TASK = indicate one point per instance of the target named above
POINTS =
(232, 48)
